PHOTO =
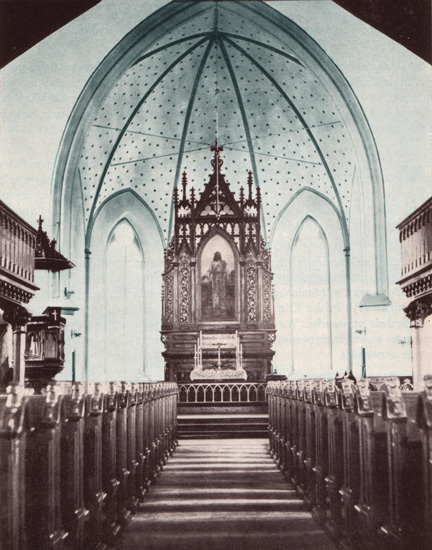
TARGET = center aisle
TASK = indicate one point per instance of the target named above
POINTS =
(223, 494)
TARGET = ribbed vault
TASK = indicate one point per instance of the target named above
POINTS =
(217, 76)
(237, 72)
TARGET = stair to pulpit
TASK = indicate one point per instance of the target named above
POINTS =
(222, 422)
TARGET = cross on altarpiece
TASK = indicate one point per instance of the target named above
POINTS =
(217, 163)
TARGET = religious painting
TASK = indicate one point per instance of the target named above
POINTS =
(217, 280)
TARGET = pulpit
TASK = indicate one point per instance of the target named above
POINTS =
(217, 302)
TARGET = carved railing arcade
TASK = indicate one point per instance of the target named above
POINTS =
(222, 393)
(75, 465)
(360, 459)
(17, 253)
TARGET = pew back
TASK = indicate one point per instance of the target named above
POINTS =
(75, 464)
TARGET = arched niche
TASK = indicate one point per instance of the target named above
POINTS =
(123, 208)
(124, 308)
(312, 208)
(218, 274)
(139, 41)
(311, 304)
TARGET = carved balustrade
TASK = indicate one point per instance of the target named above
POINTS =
(360, 459)
(17, 253)
(75, 464)
(222, 392)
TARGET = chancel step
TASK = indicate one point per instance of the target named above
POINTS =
(223, 495)
(208, 426)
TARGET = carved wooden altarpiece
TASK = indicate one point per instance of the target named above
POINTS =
(217, 285)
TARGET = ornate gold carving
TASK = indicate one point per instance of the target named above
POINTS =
(169, 298)
(267, 297)
(184, 289)
(251, 293)
(169, 254)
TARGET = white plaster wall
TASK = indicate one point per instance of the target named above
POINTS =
(39, 89)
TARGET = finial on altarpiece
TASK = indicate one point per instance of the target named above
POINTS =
(216, 161)
(250, 182)
(184, 184)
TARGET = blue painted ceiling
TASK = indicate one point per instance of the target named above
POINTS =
(218, 76)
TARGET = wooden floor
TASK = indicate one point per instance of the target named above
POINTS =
(223, 494)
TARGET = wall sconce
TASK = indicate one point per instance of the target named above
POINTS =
(68, 293)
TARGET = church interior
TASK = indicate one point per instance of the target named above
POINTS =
(216, 281)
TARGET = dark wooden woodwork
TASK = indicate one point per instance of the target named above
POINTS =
(65, 458)
(44, 527)
(366, 469)
(190, 306)
(74, 512)
(39, 356)
(140, 478)
(94, 495)
(13, 440)
(425, 422)
(44, 353)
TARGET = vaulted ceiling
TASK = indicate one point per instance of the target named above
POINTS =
(219, 75)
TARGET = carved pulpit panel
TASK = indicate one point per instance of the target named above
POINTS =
(44, 355)
(217, 276)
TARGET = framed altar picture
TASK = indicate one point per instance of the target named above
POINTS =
(218, 280)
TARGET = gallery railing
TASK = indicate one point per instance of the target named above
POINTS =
(415, 237)
(361, 459)
(221, 392)
(17, 248)
(74, 465)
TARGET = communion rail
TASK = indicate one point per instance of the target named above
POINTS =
(360, 459)
(75, 465)
(222, 392)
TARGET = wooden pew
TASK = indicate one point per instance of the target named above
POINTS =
(361, 459)
(335, 475)
(131, 449)
(140, 479)
(124, 514)
(350, 490)
(310, 444)
(425, 423)
(110, 483)
(321, 468)
(13, 440)
(94, 495)
(405, 470)
(373, 500)
(74, 513)
(44, 528)
(73, 465)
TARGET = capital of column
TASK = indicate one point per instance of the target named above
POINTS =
(17, 316)
(418, 310)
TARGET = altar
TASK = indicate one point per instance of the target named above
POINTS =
(217, 299)
(226, 367)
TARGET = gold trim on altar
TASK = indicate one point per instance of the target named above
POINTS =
(219, 370)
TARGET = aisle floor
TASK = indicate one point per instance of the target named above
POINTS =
(223, 494)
